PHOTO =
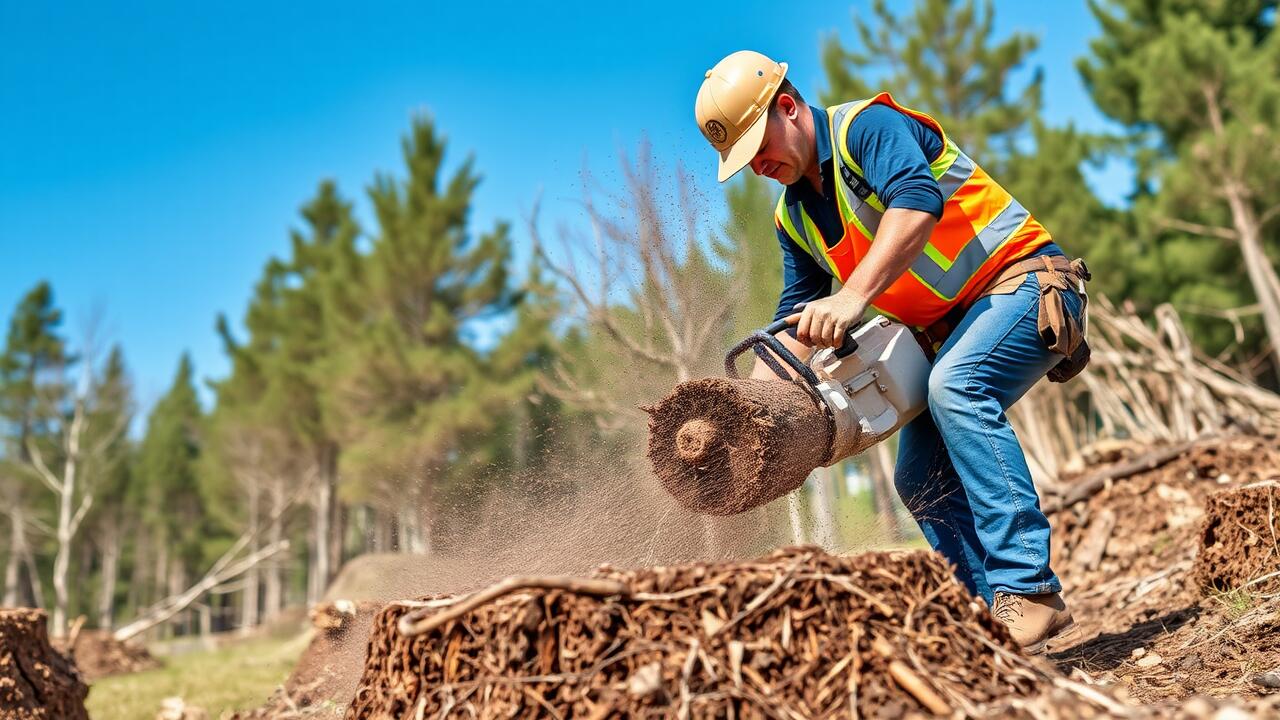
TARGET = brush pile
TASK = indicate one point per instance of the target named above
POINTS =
(799, 633)
(99, 654)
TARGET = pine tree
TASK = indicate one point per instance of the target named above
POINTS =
(167, 464)
(1198, 84)
(939, 60)
(34, 360)
(407, 388)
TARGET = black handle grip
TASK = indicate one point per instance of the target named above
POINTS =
(762, 341)
(849, 346)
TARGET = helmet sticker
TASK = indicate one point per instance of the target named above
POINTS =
(716, 131)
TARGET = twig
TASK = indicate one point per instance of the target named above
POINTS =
(420, 621)
(908, 680)
(765, 594)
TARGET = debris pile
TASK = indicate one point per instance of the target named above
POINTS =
(722, 447)
(98, 654)
(1239, 546)
(325, 678)
(36, 681)
(799, 633)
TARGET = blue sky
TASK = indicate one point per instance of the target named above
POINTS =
(154, 155)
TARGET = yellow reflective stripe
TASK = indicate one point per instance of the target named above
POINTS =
(947, 281)
(936, 255)
(948, 156)
(820, 243)
(788, 227)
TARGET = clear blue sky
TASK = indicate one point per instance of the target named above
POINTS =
(154, 154)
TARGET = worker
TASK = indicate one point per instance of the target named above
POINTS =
(879, 198)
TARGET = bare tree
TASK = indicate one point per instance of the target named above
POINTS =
(72, 485)
(643, 280)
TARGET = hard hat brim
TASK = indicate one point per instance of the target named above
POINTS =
(739, 155)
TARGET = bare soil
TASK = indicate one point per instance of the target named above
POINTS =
(324, 681)
(36, 681)
(1158, 625)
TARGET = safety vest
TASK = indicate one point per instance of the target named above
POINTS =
(983, 228)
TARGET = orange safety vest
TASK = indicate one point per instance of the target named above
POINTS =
(983, 228)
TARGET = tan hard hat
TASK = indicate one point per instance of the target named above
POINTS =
(733, 104)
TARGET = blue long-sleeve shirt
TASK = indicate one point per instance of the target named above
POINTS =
(893, 150)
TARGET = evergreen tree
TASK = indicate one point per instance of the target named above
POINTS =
(1199, 86)
(940, 60)
(407, 387)
(750, 249)
(167, 464)
(33, 363)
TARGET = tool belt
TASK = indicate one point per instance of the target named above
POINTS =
(1059, 330)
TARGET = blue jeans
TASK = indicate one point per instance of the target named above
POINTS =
(960, 469)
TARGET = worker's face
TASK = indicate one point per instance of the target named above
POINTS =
(786, 152)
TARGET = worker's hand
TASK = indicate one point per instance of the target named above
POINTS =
(824, 322)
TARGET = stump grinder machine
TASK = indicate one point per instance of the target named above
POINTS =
(721, 446)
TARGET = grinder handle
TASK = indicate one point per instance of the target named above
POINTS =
(848, 347)
(759, 341)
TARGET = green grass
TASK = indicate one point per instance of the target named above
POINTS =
(1237, 602)
(236, 677)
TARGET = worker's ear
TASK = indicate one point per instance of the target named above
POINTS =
(787, 107)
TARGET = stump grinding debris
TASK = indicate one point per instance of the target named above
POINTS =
(98, 654)
(36, 681)
(1126, 558)
(324, 680)
(1238, 541)
(722, 447)
(799, 633)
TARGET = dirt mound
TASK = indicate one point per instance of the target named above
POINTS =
(799, 633)
(36, 681)
(723, 446)
(98, 654)
(1126, 558)
(325, 678)
(1239, 547)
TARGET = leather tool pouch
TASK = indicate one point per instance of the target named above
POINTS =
(1061, 332)
(1059, 329)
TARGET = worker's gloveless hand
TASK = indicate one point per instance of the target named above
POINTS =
(823, 323)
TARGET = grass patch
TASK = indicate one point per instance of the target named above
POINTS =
(236, 677)
(1237, 602)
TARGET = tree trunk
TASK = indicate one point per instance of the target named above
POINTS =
(33, 577)
(883, 491)
(337, 534)
(1262, 276)
(824, 513)
(274, 569)
(318, 578)
(110, 568)
(17, 541)
(62, 560)
(249, 596)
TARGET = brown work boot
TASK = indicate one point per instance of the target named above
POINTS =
(1036, 622)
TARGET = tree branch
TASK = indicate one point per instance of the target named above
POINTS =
(42, 470)
(1213, 231)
